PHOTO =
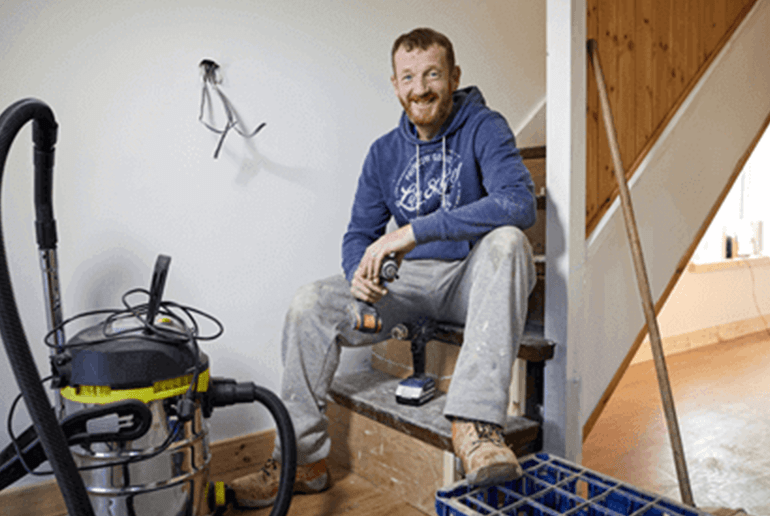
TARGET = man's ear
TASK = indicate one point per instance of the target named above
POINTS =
(394, 82)
(455, 78)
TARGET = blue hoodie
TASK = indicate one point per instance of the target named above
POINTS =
(454, 189)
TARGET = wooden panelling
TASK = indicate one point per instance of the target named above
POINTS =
(652, 53)
(407, 467)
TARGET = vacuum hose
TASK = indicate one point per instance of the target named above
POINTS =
(224, 392)
(288, 448)
(17, 348)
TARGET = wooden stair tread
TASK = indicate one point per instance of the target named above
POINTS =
(372, 394)
(534, 347)
(532, 152)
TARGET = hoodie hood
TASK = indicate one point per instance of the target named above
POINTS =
(465, 102)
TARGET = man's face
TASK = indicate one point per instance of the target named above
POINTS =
(424, 86)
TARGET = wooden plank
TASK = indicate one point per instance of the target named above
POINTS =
(408, 468)
(608, 47)
(532, 348)
(705, 337)
(704, 16)
(626, 94)
(350, 494)
(592, 124)
(725, 511)
(676, 41)
(644, 75)
(37, 500)
(685, 27)
(241, 452)
(533, 152)
(372, 394)
(661, 98)
(394, 357)
(720, 22)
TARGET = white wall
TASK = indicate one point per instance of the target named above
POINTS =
(718, 299)
(135, 175)
(744, 205)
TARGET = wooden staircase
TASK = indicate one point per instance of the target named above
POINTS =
(409, 449)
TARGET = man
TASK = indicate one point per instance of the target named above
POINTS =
(452, 178)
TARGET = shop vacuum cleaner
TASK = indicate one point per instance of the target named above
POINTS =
(127, 433)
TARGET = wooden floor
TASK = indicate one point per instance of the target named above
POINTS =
(722, 398)
(350, 495)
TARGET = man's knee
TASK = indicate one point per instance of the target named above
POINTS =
(506, 241)
(319, 296)
(305, 298)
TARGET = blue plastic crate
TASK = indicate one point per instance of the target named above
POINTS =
(552, 486)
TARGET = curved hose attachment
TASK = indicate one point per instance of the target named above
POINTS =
(224, 391)
(288, 448)
(14, 339)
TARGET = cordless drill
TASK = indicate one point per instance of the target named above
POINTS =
(367, 318)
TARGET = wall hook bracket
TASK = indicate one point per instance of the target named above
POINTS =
(211, 80)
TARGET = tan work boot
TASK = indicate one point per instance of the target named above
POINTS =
(485, 457)
(261, 488)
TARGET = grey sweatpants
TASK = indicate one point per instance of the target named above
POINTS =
(487, 292)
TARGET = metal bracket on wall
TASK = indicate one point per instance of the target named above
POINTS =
(211, 79)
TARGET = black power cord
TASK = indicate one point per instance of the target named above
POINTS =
(165, 334)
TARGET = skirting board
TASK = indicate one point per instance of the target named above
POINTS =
(705, 337)
(227, 456)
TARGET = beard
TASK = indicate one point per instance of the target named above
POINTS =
(429, 109)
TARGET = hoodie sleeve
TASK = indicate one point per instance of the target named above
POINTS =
(510, 199)
(368, 218)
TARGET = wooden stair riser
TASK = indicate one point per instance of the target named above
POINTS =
(536, 166)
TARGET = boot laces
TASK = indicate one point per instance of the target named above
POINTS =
(488, 432)
(270, 466)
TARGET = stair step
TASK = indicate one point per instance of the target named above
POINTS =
(372, 394)
(536, 305)
(534, 347)
(532, 152)
(534, 159)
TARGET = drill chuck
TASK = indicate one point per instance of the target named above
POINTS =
(389, 269)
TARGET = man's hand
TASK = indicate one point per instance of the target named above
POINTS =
(366, 280)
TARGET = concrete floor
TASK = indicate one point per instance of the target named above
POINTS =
(722, 398)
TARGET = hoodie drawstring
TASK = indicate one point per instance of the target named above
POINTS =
(443, 172)
(443, 175)
(417, 179)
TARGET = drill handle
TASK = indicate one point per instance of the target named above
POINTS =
(424, 334)
(367, 318)
(418, 356)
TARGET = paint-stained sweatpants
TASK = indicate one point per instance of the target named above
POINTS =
(487, 292)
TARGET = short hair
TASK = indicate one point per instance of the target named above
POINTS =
(423, 38)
